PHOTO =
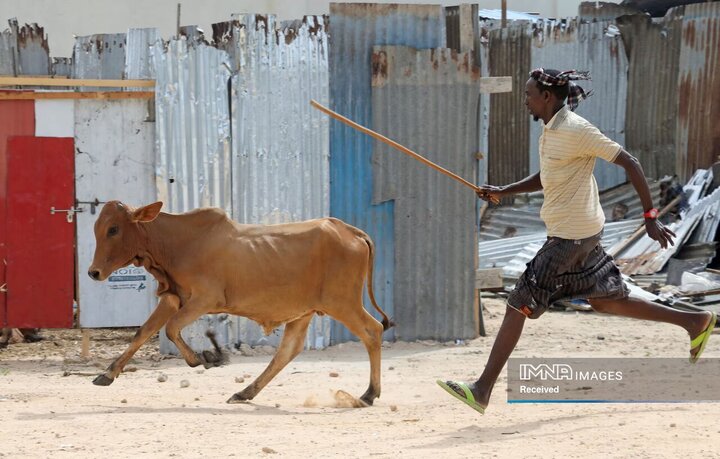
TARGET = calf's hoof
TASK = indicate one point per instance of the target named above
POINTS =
(102, 380)
(34, 338)
(211, 359)
(369, 397)
(214, 358)
(239, 398)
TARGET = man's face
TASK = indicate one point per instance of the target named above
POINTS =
(535, 100)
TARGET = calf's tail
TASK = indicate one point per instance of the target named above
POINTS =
(387, 323)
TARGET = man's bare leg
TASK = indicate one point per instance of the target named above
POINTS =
(693, 322)
(505, 342)
(511, 329)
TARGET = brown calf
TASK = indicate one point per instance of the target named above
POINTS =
(206, 263)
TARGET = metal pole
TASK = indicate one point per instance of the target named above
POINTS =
(178, 21)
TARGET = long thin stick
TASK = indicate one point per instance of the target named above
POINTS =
(394, 144)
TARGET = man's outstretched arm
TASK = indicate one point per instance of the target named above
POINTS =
(526, 185)
(635, 173)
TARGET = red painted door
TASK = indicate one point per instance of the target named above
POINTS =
(40, 244)
(17, 117)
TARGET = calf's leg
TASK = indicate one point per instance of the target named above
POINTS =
(290, 346)
(370, 331)
(189, 313)
(165, 309)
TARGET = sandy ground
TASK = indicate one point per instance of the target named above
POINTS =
(49, 408)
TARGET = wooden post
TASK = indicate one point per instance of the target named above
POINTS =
(503, 22)
(85, 349)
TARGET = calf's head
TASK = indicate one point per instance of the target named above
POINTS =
(118, 236)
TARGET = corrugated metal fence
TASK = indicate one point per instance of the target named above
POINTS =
(280, 143)
(698, 120)
(257, 86)
(234, 128)
(653, 50)
(356, 28)
(193, 126)
(655, 86)
(24, 50)
(508, 136)
(428, 100)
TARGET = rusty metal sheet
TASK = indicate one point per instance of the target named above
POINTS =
(698, 120)
(354, 30)
(427, 100)
(462, 26)
(603, 11)
(508, 138)
(33, 51)
(100, 56)
(24, 50)
(653, 54)
(62, 67)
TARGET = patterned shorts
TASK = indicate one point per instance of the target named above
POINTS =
(566, 269)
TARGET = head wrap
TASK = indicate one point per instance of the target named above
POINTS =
(575, 94)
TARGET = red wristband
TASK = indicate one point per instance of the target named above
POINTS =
(652, 214)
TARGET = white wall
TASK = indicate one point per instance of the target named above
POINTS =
(64, 18)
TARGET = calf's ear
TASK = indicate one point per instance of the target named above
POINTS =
(147, 213)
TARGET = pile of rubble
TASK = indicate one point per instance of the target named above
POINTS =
(680, 276)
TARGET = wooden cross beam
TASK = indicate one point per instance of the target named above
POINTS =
(30, 81)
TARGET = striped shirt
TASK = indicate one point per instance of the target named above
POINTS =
(569, 145)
